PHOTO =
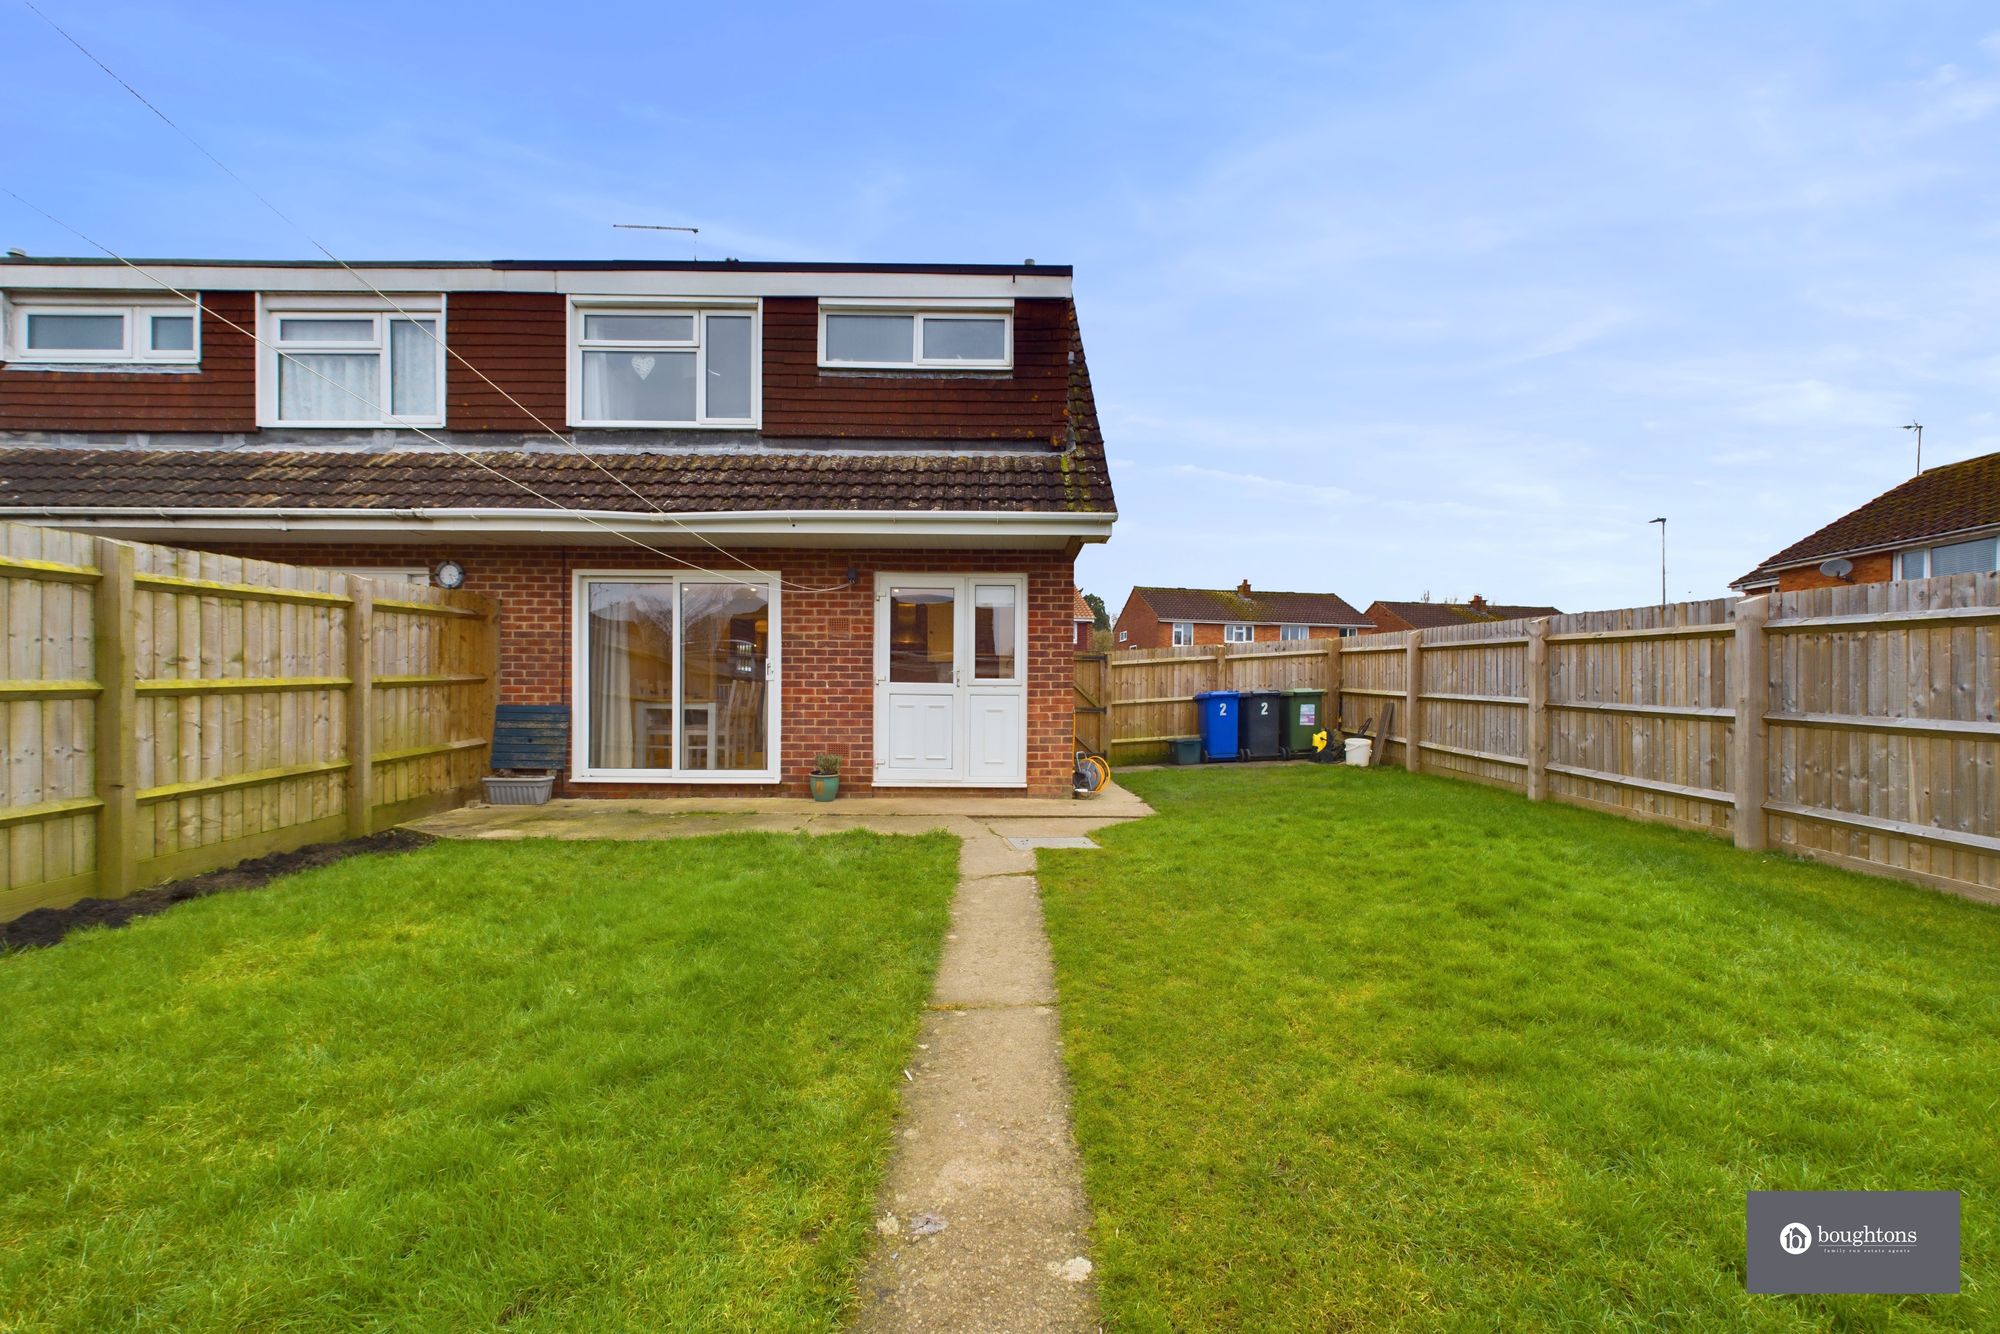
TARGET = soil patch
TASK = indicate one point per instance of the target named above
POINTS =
(45, 926)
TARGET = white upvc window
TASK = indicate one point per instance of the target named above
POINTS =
(1123, 635)
(930, 336)
(1293, 632)
(1236, 632)
(1977, 556)
(1183, 634)
(639, 363)
(333, 361)
(85, 332)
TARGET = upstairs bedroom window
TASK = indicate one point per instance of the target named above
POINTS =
(639, 365)
(94, 333)
(1974, 557)
(859, 337)
(353, 364)
(1237, 633)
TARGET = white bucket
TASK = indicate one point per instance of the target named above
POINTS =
(1358, 748)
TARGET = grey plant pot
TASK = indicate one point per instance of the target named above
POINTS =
(525, 790)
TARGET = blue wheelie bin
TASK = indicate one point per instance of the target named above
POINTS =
(1218, 724)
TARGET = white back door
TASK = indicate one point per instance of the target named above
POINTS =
(950, 680)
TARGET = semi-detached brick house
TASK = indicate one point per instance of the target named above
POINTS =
(1942, 521)
(734, 514)
(1173, 617)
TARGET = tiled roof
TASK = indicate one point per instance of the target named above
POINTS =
(1937, 501)
(1434, 615)
(1259, 608)
(862, 475)
(1083, 611)
(434, 479)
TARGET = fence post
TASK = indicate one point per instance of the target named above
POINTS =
(117, 703)
(1220, 653)
(360, 706)
(1751, 699)
(1333, 690)
(1413, 687)
(1538, 709)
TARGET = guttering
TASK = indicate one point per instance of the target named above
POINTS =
(749, 523)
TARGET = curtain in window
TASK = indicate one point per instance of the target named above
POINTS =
(413, 377)
(329, 387)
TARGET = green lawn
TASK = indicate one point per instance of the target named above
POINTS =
(554, 1086)
(1359, 1049)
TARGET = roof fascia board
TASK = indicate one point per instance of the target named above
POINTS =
(578, 282)
(848, 523)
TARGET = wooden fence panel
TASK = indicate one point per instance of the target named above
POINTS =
(1866, 718)
(232, 684)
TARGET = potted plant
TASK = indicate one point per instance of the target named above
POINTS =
(825, 777)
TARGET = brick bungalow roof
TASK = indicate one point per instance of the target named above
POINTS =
(1259, 608)
(1083, 611)
(1434, 615)
(1935, 503)
(931, 476)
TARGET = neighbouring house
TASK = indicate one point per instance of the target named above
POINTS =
(1945, 520)
(1389, 617)
(734, 514)
(1174, 617)
(1085, 623)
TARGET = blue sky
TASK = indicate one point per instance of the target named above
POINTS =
(1382, 299)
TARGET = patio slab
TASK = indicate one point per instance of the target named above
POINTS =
(694, 817)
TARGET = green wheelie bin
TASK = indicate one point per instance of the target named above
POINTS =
(1305, 714)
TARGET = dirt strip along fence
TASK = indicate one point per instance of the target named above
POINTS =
(167, 712)
(1132, 705)
(1856, 725)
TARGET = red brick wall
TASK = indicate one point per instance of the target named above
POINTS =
(1026, 404)
(220, 396)
(1874, 569)
(1137, 627)
(520, 340)
(828, 642)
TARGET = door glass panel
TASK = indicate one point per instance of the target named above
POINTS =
(726, 643)
(631, 670)
(921, 631)
(995, 632)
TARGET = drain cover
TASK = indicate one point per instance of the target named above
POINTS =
(1064, 841)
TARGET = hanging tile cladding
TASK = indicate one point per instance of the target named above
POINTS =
(1027, 403)
(220, 396)
(520, 342)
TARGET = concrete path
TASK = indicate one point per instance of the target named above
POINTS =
(983, 1223)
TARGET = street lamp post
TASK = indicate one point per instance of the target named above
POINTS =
(1663, 560)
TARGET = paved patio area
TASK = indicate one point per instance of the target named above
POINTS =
(692, 817)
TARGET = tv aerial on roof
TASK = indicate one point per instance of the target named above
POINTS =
(694, 244)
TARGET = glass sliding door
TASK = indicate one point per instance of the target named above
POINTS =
(726, 647)
(675, 678)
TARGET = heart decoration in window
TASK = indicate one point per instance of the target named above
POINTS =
(644, 365)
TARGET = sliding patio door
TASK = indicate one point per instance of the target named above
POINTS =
(951, 680)
(675, 678)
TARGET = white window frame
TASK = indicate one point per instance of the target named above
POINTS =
(1292, 634)
(273, 308)
(1123, 635)
(700, 309)
(1181, 635)
(1239, 632)
(579, 680)
(135, 351)
(963, 309)
(1929, 555)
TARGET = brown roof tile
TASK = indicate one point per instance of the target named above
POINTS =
(1435, 615)
(1937, 501)
(1259, 608)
